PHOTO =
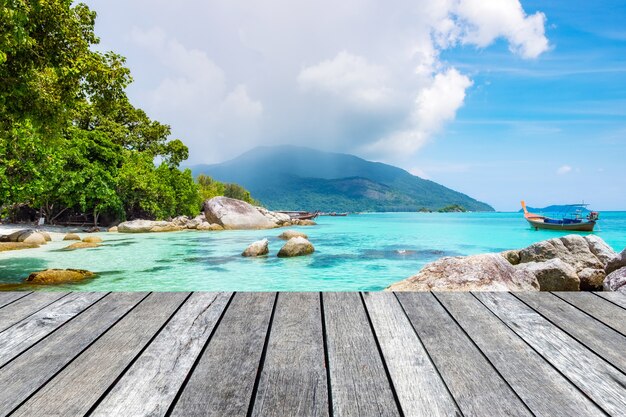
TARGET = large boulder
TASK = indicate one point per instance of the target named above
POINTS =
(92, 239)
(258, 248)
(26, 236)
(71, 236)
(288, 234)
(58, 276)
(147, 226)
(487, 272)
(296, 246)
(571, 249)
(235, 214)
(601, 250)
(280, 219)
(616, 281)
(553, 275)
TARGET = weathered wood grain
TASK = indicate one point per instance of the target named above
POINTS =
(419, 387)
(81, 383)
(151, 383)
(9, 297)
(223, 380)
(29, 331)
(24, 307)
(545, 391)
(24, 375)
(592, 333)
(600, 381)
(293, 380)
(474, 383)
(614, 297)
(359, 384)
(601, 309)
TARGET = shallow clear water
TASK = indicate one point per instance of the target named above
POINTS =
(360, 252)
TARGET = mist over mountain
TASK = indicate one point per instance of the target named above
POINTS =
(298, 178)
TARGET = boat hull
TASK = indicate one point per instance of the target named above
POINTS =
(572, 227)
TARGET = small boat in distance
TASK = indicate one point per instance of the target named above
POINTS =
(300, 215)
(572, 220)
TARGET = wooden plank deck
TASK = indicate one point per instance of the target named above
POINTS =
(312, 354)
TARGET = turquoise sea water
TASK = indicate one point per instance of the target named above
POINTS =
(359, 252)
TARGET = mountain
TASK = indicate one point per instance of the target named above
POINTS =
(556, 208)
(297, 178)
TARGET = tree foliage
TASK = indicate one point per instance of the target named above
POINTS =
(210, 188)
(70, 140)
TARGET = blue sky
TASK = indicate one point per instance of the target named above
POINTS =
(499, 99)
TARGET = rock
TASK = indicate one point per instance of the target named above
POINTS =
(180, 221)
(26, 236)
(600, 249)
(45, 235)
(512, 256)
(552, 275)
(487, 272)
(93, 229)
(82, 245)
(304, 222)
(112, 229)
(215, 226)
(616, 281)
(591, 279)
(92, 239)
(147, 226)
(235, 214)
(209, 226)
(71, 236)
(280, 219)
(288, 234)
(296, 246)
(59, 276)
(7, 246)
(572, 249)
(258, 248)
(616, 263)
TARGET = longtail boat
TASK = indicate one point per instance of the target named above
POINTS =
(300, 215)
(571, 221)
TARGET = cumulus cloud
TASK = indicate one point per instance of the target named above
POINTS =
(565, 169)
(357, 76)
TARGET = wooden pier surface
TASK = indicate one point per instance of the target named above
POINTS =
(312, 354)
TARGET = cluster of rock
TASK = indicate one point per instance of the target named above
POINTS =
(24, 239)
(297, 245)
(220, 213)
(87, 242)
(569, 263)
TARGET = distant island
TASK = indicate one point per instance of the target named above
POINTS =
(299, 178)
(555, 208)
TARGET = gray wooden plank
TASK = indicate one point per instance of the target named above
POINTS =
(359, 384)
(600, 381)
(26, 306)
(615, 297)
(539, 385)
(601, 309)
(474, 383)
(81, 383)
(24, 375)
(151, 383)
(223, 380)
(293, 380)
(22, 335)
(419, 387)
(10, 296)
(592, 333)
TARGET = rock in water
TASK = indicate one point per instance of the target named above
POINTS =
(258, 248)
(553, 275)
(82, 245)
(235, 214)
(296, 246)
(58, 276)
(92, 239)
(488, 272)
(26, 236)
(71, 236)
(112, 229)
(7, 246)
(616, 281)
(288, 234)
(147, 226)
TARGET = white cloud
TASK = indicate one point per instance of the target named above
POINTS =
(565, 169)
(359, 75)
